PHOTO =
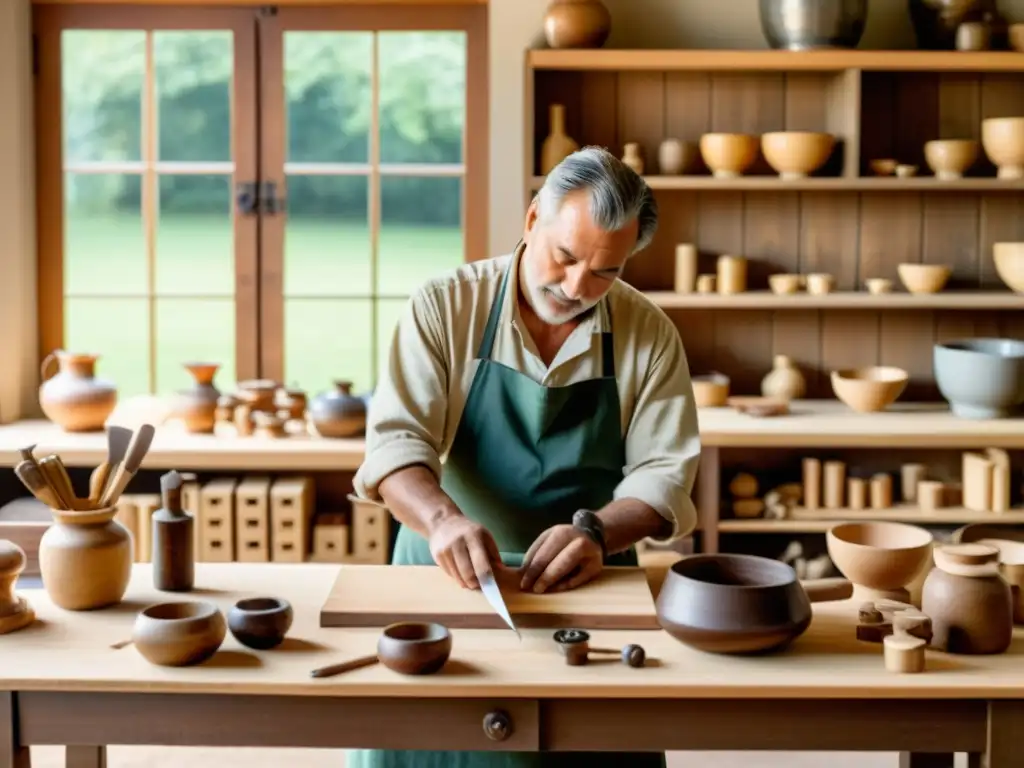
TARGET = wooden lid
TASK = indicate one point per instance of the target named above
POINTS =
(971, 554)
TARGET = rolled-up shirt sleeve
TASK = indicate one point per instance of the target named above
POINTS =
(406, 420)
(663, 440)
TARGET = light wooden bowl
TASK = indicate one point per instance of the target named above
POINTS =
(1003, 140)
(797, 154)
(884, 166)
(1009, 260)
(728, 155)
(878, 285)
(951, 158)
(871, 389)
(785, 284)
(879, 557)
(924, 278)
(711, 390)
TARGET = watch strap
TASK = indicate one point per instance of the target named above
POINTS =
(589, 523)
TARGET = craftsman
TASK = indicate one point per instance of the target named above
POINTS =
(559, 399)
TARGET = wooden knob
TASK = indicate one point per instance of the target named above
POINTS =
(633, 655)
(497, 725)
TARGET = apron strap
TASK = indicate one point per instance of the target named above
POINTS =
(491, 330)
(607, 355)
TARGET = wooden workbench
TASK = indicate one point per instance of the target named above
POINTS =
(64, 684)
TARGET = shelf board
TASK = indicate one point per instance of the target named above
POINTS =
(966, 300)
(819, 520)
(771, 60)
(824, 184)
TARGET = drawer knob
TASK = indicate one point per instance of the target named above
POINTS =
(497, 725)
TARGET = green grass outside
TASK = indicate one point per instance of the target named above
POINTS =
(325, 339)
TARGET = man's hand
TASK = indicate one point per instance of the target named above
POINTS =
(562, 557)
(464, 549)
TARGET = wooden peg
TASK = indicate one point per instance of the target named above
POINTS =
(812, 483)
(835, 484)
(856, 493)
(903, 654)
(881, 491)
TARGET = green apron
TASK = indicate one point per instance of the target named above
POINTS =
(525, 457)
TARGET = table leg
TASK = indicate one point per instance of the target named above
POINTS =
(12, 753)
(926, 760)
(85, 757)
(1005, 721)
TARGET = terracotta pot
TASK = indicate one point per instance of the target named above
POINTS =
(577, 24)
(558, 145)
(338, 413)
(197, 407)
(784, 380)
(74, 398)
(85, 559)
(969, 602)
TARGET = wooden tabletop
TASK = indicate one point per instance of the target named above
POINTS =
(67, 651)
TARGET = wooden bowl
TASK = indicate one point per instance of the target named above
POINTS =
(924, 278)
(1009, 261)
(871, 389)
(785, 283)
(880, 558)
(951, 158)
(260, 622)
(728, 155)
(1003, 140)
(797, 154)
(878, 285)
(414, 648)
(710, 390)
(884, 166)
(179, 634)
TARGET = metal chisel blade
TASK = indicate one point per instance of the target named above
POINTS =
(492, 592)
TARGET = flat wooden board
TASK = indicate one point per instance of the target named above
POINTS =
(378, 595)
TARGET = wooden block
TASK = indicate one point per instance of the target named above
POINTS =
(1000, 479)
(128, 516)
(977, 482)
(835, 484)
(190, 503)
(881, 491)
(217, 514)
(252, 520)
(856, 493)
(291, 512)
(910, 476)
(930, 495)
(370, 532)
(146, 504)
(330, 538)
(904, 654)
(812, 483)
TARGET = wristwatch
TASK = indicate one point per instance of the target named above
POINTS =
(588, 522)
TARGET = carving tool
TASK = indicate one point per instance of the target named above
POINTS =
(136, 453)
(57, 478)
(489, 586)
(118, 440)
(345, 666)
(32, 477)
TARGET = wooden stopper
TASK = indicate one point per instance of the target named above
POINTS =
(743, 486)
(835, 484)
(706, 284)
(812, 483)
(930, 495)
(686, 268)
(903, 654)
(732, 274)
(914, 623)
(910, 476)
(881, 491)
(856, 493)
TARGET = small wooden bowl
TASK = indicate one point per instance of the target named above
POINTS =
(728, 155)
(905, 171)
(951, 158)
(881, 556)
(179, 634)
(1009, 261)
(710, 390)
(878, 285)
(885, 166)
(819, 283)
(797, 154)
(785, 283)
(414, 648)
(260, 622)
(924, 278)
(868, 390)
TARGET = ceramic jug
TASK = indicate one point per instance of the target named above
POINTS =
(338, 413)
(85, 559)
(784, 380)
(74, 398)
(557, 146)
(197, 406)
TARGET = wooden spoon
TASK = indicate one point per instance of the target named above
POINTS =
(136, 453)
(118, 439)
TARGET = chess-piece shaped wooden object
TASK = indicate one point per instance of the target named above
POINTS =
(903, 630)
(15, 612)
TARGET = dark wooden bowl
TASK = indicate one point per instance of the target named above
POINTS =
(739, 604)
(414, 648)
(260, 622)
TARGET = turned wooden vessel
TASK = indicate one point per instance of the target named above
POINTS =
(74, 398)
(179, 634)
(197, 406)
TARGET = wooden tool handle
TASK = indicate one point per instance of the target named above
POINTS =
(116, 487)
(32, 477)
(826, 590)
(55, 480)
(345, 666)
(67, 488)
(98, 483)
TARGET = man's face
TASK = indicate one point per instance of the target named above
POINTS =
(570, 263)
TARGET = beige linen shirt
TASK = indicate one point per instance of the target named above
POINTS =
(421, 393)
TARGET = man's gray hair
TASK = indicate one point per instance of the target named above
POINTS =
(617, 194)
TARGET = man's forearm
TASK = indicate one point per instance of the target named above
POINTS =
(627, 521)
(415, 498)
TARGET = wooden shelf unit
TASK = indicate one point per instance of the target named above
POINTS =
(822, 184)
(898, 299)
